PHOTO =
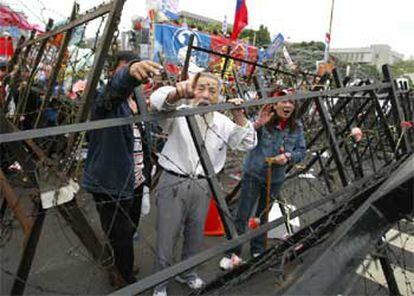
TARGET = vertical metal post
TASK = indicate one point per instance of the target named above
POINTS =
(16, 54)
(73, 215)
(259, 87)
(396, 108)
(249, 79)
(384, 122)
(337, 78)
(21, 106)
(371, 153)
(184, 71)
(324, 172)
(145, 130)
(336, 152)
(349, 123)
(21, 61)
(212, 180)
(69, 211)
(351, 161)
(387, 269)
(359, 160)
(226, 61)
(29, 252)
(98, 64)
(205, 161)
(57, 65)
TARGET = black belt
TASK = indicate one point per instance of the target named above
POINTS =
(184, 175)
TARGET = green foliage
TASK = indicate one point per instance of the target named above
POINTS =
(312, 45)
(263, 36)
(370, 71)
(247, 33)
(403, 67)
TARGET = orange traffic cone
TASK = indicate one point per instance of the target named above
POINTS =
(213, 225)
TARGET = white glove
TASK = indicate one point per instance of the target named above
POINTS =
(145, 204)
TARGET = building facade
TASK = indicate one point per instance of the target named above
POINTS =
(377, 54)
(186, 15)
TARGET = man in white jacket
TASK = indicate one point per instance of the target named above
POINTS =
(182, 193)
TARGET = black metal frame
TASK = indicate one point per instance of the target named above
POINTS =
(345, 94)
(69, 211)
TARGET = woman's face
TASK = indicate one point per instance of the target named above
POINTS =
(284, 109)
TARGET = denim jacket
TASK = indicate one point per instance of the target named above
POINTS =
(109, 166)
(270, 144)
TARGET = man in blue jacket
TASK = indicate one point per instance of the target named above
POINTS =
(113, 168)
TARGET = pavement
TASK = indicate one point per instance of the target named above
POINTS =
(62, 266)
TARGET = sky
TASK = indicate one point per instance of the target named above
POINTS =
(356, 23)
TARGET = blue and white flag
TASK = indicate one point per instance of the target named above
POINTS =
(172, 42)
(170, 9)
(276, 44)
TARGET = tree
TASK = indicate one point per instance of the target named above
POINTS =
(403, 67)
(263, 36)
(247, 33)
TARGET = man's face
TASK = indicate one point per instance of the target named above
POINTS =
(206, 91)
(284, 109)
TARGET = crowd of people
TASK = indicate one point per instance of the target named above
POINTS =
(114, 165)
(115, 170)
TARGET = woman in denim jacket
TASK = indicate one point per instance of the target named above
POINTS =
(280, 141)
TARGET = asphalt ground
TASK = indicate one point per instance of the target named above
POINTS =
(62, 266)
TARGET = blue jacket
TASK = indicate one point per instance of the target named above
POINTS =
(109, 166)
(269, 145)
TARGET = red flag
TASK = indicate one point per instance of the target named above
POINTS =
(327, 38)
(6, 46)
(240, 19)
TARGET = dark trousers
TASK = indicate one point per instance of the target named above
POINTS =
(119, 220)
(253, 191)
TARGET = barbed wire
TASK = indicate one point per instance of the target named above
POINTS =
(296, 190)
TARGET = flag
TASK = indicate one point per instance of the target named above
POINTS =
(6, 46)
(276, 44)
(240, 18)
(170, 9)
(327, 38)
(163, 9)
(224, 26)
(172, 42)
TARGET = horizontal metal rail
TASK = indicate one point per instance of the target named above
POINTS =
(86, 17)
(105, 123)
(208, 254)
(223, 55)
(352, 240)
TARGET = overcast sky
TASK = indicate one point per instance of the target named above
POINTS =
(356, 23)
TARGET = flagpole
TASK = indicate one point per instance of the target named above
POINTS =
(330, 27)
(330, 22)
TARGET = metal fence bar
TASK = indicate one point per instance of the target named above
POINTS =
(57, 66)
(97, 66)
(104, 123)
(366, 225)
(396, 108)
(336, 152)
(86, 17)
